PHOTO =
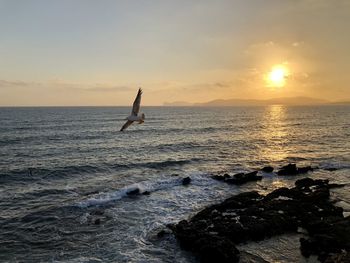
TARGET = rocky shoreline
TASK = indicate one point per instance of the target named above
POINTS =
(213, 233)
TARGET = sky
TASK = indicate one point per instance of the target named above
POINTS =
(84, 52)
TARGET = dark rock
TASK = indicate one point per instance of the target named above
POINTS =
(304, 170)
(97, 221)
(242, 178)
(331, 169)
(133, 192)
(213, 232)
(267, 169)
(327, 238)
(220, 177)
(146, 193)
(163, 233)
(307, 182)
(292, 169)
(213, 249)
(186, 181)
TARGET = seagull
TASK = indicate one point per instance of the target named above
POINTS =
(134, 113)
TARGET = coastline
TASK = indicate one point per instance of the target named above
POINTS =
(214, 233)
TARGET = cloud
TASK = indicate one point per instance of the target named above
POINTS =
(104, 89)
(66, 86)
(9, 83)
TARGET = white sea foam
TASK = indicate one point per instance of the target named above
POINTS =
(101, 199)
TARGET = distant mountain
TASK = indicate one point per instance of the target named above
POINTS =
(177, 103)
(249, 102)
(298, 101)
(341, 103)
(282, 101)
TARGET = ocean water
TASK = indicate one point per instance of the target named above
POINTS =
(61, 169)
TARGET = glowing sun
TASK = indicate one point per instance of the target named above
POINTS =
(277, 76)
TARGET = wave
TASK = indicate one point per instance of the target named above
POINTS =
(168, 163)
(103, 199)
(10, 141)
(32, 174)
(154, 165)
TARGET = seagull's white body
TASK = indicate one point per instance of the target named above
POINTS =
(135, 116)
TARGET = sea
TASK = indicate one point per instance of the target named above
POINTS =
(65, 175)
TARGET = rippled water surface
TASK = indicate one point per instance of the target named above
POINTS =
(65, 172)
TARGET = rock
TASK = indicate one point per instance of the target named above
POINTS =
(213, 249)
(242, 178)
(267, 169)
(307, 182)
(213, 232)
(327, 237)
(146, 193)
(221, 177)
(291, 169)
(97, 221)
(331, 169)
(163, 233)
(186, 181)
(306, 169)
(133, 192)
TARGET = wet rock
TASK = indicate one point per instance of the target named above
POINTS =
(163, 233)
(242, 178)
(146, 193)
(221, 177)
(304, 170)
(97, 221)
(213, 249)
(292, 169)
(267, 169)
(186, 181)
(308, 182)
(331, 169)
(327, 237)
(251, 216)
(133, 192)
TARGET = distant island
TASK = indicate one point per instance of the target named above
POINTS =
(250, 102)
(177, 103)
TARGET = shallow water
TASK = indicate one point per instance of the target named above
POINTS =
(63, 168)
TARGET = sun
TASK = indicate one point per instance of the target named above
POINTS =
(277, 76)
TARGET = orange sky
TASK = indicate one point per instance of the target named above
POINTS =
(99, 53)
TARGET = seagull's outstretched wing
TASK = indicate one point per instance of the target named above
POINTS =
(136, 105)
(126, 125)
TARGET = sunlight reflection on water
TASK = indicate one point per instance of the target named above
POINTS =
(274, 133)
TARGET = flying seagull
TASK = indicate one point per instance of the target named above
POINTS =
(134, 113)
